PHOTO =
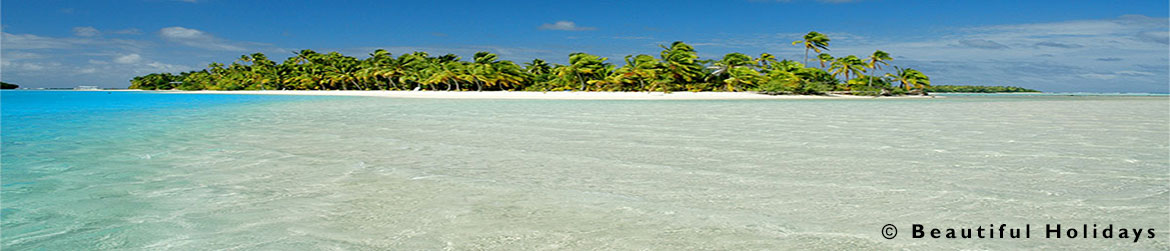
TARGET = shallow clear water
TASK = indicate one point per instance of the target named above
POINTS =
(184, 171)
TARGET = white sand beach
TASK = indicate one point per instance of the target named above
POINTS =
(563, 95)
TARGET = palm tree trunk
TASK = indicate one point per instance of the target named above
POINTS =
(805, 55)
(582, 80)
(359, 85)
(870, 84)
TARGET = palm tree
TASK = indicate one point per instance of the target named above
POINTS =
(539, 72)
(910, 78)
(765, 61)
(482, 69)
(640, 68)
(847, 65)
(813, 41)
(680, 63)
(788, 65)
(677, 67)
(876, 61)
(537, 67)
(729, 61)
(507, 75)
(742, 78)
(585, 67)
(444, 73)
(730, 65)
(824, 57)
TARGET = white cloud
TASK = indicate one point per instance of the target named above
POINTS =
(30, 41)
(1134, 73)
(164, 67)
(565, 26)
(130, 31)
(1099, 76)
(128, 59)
(1127, 53)
(85, 31)
(982, 44)
(196, 38)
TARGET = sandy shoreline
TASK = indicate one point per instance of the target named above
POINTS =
(549, 95)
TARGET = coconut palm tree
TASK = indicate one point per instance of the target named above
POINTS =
(446, 73)
(742, 78)
(537, 67)
(909, 78)
(846, 66)
(765, 61)
(482, 69)
(677, 67)
(584, 67)
(876, 61)
(680, 64)
(824, 58)
(729, 61)
(813, 41)
(641, 68)
(507, 74)
(727, 71)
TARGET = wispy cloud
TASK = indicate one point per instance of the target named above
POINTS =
(982, 44)
(130, 31)
(84, 59)
(128, 58)
(565, 26)
(1055, 56)
(85, 31)
(196, 38)
(1058, 45)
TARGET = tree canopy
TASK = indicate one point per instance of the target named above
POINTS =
(977, 88)
(677, 67)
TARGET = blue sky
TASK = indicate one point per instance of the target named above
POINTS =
(1096, 46)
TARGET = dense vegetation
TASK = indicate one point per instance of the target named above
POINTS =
(8, 86)
(976, 88)
(677, 68)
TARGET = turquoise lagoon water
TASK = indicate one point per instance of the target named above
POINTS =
(140, 170)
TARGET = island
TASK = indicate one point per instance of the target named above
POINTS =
(977, 89)
(6, 86)
(677, 68)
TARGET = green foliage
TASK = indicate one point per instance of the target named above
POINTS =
(4, 85)
(977, 88)
(677, 67)
(909, 78)
(813, 41)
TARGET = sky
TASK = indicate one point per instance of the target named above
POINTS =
(1050, 45)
